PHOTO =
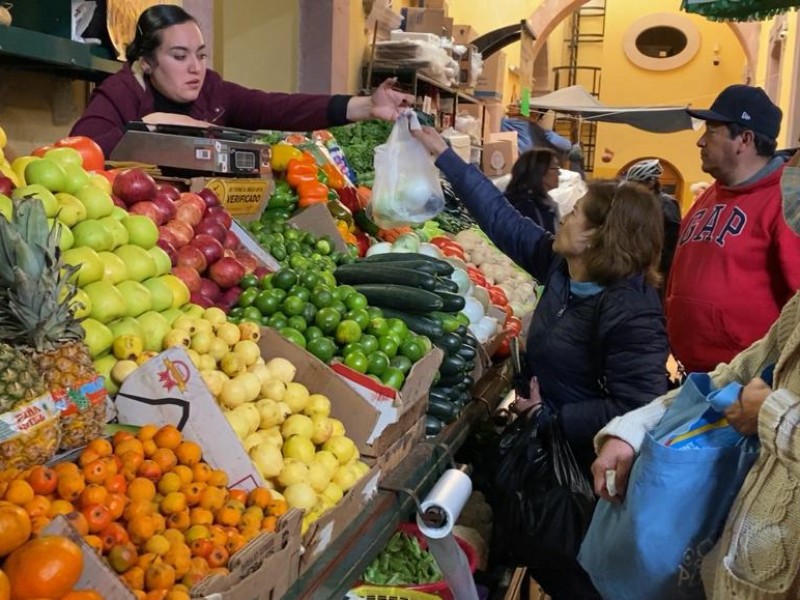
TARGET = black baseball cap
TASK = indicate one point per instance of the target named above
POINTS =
(744, 105)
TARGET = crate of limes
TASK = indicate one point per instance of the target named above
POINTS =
(332, 322)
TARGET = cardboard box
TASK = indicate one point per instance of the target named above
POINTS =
(493, 119)
(251, 245)
(169, 389)
(433, 4)
(424, 20)
(511, 136)
(464, 34)
(491, 82)
(395, 454)
(318, 220)
(447, 28)
(244, 198)
(496, 160)
(264, 569)
(96, 574)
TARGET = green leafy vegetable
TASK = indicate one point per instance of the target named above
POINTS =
(403, 562)
(358, 141)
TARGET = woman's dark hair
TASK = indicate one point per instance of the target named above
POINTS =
(527, 174)
(630, 232)
(148, 30)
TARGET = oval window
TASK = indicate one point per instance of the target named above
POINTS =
(661, 42)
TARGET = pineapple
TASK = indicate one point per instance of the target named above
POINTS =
(19, 379)
(35, 313)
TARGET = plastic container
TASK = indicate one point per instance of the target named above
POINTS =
(372, 592)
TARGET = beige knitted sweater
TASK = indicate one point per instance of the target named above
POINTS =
(758, 556)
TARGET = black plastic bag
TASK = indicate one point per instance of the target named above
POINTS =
(542, 501)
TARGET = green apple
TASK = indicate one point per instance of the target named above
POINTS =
(65, 238)
(142, 231)
(97, 202)
(6, 207)
(98, 337)
(49, 201)
(155, 327)
(94, 234)
(160, 293)
(19, 164)
(70, 210)
(65, 157)
(137, 298)
(180, 293)
(114, 269)
(47, 173)
(77, 178)
(103, 366)
(141, 265)
(100, 181)
(195, 311)
(117, 230)
(126, 326)
(171, 315)
(163, 261)
(81, 304)
(107, 301)
(119, 213)
(91, 267)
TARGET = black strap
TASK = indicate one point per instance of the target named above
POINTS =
(599, 354)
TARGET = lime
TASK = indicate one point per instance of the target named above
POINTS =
(278, 321)
(374, 312)
(327, 319)
(413, 348)
(348, 331)
(298, 322)
(393, 377)
(309, 312)
(236, 312)
(264, 321)
(357, 361)
(369, 343)
(388, 345)
(339, 306)
(321, 297)
(378, 363)
(278, 251)
(292, 234)
(278, 293)
(327, 278)
(296, 260)
(321, 347)
(251, 313)
(398, 327)
(401, 363)
(234, 320)
(309, 280)
(266, 282)
(248, 281)
(267, 302)
(293, 336)
(352, 347)
(355, 301)
(293, 248)
(313, 332)
(343, 291)
(300, 292)
(323, 246)
(247, 297)
(359, 315)
(293, 306)
(378, 326)
(284, 279)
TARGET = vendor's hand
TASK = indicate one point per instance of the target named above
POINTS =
(616, 455)
(743, 414)
(162, 118)
(430, 138)
(534, 399)
(387, 103)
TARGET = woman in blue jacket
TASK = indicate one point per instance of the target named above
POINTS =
(597, 343)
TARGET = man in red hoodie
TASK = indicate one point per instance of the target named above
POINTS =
(737, 263)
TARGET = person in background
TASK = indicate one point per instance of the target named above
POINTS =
(758, 555)
(648, 173)
(737, 263)
(535, 131)
(166, 80)
(597, 344)
(697, 189)
(575, 158)
(533, 175)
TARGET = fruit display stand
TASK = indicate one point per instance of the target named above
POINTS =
(337, 569)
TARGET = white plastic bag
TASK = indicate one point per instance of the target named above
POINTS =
(406, 189)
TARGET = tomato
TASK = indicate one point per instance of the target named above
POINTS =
(452, 251)
(348, 331)
(90, 151)
(514, 324)
(357, 361)
(504, 349)
(497, 295)
(41, 150)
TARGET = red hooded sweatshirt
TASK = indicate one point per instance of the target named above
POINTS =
(736, 265)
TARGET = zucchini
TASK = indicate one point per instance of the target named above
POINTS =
(452, 303)
(355, 274)
(442, 267)
(452, 365)
(467, 352)
(446, 285)
(433, 426)
(462, 331)
(470, 366)
(443, 410)
(436, 393)
(419, 324)
(449, 342)
(445, 392)
(414, 265)
(400, 297)
(451, 380)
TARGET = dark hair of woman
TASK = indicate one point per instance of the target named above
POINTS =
(148, 30)
(527, 174)
(630, 232)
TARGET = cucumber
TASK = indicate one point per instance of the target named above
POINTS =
(414, 265)
(452, 303)
(442, 267)
(446, 285)
(355, 274)
(445, 392)
(435, 393)
(400, 297)
(467, 352)
(444, 410)
(433, 426)
(419, 324)
(452, 365)
(449, 342)
(462, 331)
(451, 380)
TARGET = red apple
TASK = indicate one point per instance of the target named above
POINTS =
(194, 199)
(231, 241)
(148, 209)
(134, 185)
(248, 261)
(183, 232)
(211, 227)
(209, 197)
(228, 253)
(6, 186)
(118, 202)
(169, 248)
(190, 256)
(200, 300)
(210, 290)
(221, 215)
(165, 206)
(260, 271)
(226, 272)
(210, 247)
(231, 296)
(188, 213)
(169, 190)
(188, 276)
(166, 234)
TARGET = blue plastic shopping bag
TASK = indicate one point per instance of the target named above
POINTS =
(652, 545)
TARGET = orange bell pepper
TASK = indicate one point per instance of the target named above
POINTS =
(312, 192)
(298, 171)
(335, 178)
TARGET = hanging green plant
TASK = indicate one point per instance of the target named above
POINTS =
(738, 10)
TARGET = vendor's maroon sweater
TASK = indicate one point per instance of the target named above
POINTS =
(121, 99)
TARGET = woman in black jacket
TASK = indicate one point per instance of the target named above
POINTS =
(597, 342)
(532, 177)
